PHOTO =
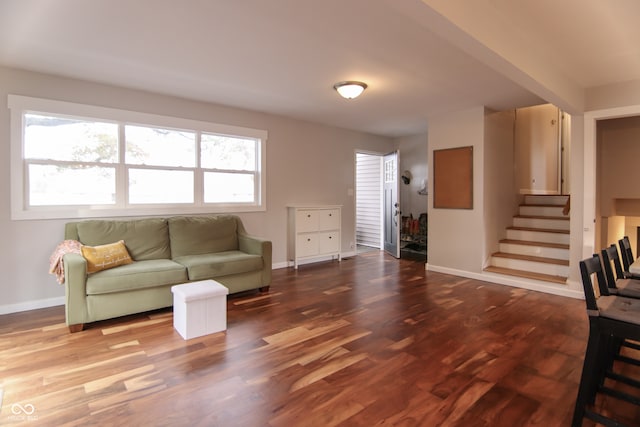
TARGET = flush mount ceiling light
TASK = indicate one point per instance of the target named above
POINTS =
(350, 89)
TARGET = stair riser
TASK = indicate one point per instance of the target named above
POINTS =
(538, 267)
(538, 251)
(538, 236)
(561, 280)
(532, 199)
(554, 224)
(541, 210)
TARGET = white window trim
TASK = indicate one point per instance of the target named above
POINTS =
(20, 104)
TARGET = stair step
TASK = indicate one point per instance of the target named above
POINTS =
(531, 262)
(533, 243)
(555, 250)
(564, 218)
(538, 221)
(527, 274)
(557, 200)
(542, 210)
(543, 260)
(540, 230)
(538, 235)
(537, 244)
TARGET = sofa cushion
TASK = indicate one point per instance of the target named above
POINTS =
(103, 257)
(145, 239)
(137, 275)
(197, 235)
(219, 264)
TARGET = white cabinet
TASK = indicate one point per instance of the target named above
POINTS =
(314, 232)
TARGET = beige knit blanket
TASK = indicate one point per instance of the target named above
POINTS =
(56, 266)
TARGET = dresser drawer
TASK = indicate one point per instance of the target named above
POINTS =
(329, 242)
(307, 244)
(307, 220)
(329, 219)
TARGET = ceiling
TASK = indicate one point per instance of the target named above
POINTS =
(419, 58)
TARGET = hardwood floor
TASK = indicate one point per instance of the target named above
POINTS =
(370, 341)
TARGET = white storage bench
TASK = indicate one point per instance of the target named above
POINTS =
(199, 308)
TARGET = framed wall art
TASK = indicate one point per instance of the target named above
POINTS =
(453, 178)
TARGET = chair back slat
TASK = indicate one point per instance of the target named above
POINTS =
(589, 267)
(626, 252)
(609, 256)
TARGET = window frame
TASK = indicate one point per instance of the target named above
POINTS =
(20, 210)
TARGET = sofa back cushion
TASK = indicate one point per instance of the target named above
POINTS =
(196, 235)
(145, 239)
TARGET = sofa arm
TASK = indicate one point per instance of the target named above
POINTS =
(75, 283)
(257, 246)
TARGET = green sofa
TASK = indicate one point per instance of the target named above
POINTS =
(165, 252)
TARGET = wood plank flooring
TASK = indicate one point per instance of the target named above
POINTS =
(370, 341)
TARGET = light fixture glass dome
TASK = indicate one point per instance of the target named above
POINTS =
(350, 89)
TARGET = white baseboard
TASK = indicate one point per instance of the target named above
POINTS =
(287, 264)
(529, 192)
(517, 282)
(31, 305)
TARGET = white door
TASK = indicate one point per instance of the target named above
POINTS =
(537, 150)
(391, 203)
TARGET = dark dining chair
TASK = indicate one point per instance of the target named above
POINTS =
(618, 283)
(626, 255)
(612, 320)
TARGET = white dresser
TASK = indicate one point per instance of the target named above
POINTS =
(314, 232)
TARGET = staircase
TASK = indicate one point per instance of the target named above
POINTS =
(537, 244)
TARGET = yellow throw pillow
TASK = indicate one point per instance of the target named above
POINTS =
(105, 256)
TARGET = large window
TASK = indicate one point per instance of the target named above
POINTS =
(72, 160)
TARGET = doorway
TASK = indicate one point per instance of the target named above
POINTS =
(368, 201)
(541, 150)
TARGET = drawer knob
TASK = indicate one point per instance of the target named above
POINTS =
(308, 215)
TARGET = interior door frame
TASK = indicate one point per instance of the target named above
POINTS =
(589, 189)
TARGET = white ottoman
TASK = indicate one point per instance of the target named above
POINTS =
(199, 308)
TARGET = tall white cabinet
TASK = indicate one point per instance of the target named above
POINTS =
(314, 232)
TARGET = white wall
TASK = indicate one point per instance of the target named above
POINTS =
(500, 188)
(306, 163)
(456, 236)
(578, 224)
(613, 96)
(414, 154)
(613, 230)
